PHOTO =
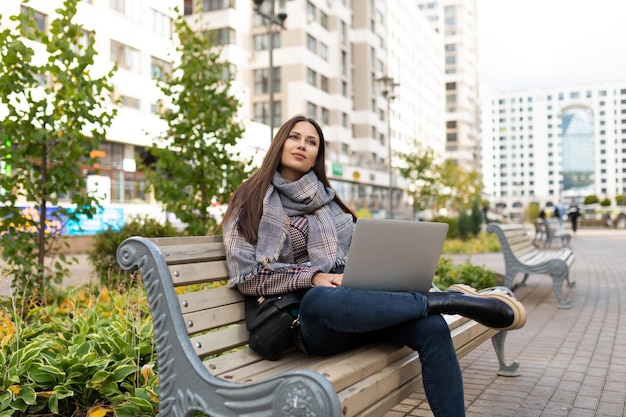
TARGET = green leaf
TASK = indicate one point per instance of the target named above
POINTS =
(121, 372)
(28, 395)
(41, 377)
(99, 377)
(53, 404)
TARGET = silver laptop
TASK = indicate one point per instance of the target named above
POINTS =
(394, 255)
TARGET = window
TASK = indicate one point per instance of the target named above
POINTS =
(262, 114)
(311, 77)
(188, 7)
(125, 56)
(344, 32)
(131, 102)
(41, 19)
(323, 20)
(324, 83)
(311, 12)
(118, 5)
(160, 23)
(323, 50)
(261, 42)
(222, 36)
(311, 109)
(344, 120)
(311, 43)
(159, 68)
(210, 5)
(325, 116)
(261, 80)
(344, 89)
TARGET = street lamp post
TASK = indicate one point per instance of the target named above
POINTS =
(271, 19)
(389, 86)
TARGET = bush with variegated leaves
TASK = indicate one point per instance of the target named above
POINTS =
(85, 354)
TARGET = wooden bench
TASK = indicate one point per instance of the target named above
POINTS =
(204, 363)
(546, 235)
(522, 257)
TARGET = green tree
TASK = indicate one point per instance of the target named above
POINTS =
(591, 199)
(420, 170)
(458, 188)
(195, 162)
(477, 217)
(55, 112)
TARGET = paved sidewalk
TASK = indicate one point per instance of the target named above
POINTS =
(572, 362)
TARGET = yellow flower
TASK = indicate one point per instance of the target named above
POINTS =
(7, 329)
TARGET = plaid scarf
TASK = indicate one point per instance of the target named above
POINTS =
(330, 229)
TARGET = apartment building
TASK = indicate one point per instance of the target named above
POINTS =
(327, 61)
(554, 145)
(135, 35)
(456, 21)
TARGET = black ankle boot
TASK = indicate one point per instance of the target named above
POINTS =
(494, 310)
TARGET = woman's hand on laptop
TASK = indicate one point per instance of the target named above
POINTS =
(322, 279)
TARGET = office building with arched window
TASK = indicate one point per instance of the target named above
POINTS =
(550, 146)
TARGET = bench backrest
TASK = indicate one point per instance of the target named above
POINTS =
(212, 312)
(517, 239)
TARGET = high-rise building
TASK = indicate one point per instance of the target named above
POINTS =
(554, 145)
(456, 21)
(328, 61)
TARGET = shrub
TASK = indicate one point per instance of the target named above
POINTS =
(606, 202)
(87, 354)
(476, 276)
(591, 199)
(477, 218)
(465, 225)
(102, 255)
(453, 231)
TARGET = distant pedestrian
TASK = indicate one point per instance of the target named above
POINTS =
(573, 212)
(559, 212)
(542, 215)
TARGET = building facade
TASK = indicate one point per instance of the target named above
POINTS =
(137, 37)
(326, 61)
(456, 21)
(551, 146)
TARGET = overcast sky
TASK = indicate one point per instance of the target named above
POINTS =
(550, 43)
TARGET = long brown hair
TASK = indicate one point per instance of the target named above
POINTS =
(249, 196)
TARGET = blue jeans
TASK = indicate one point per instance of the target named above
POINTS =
(333, 320)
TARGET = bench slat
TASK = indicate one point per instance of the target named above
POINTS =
(198, 273)
(194, 252)
(208, 298)
(217, 342)
(214, 318)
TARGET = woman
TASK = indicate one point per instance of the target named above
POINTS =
(286, 230)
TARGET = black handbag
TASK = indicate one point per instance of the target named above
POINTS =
(272, 322)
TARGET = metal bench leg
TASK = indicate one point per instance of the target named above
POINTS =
(557, 287)
(498, 346)
(523, 283)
